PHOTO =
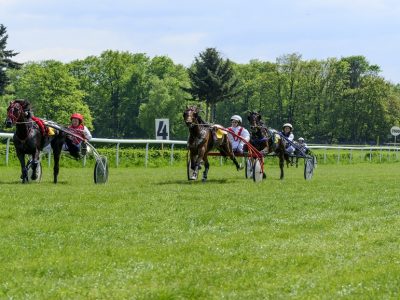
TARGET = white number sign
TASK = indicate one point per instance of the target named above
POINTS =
(162, 129)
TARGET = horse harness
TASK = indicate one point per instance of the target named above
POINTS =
(197, 141)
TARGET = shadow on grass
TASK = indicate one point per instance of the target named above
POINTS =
(199, 181)
(19, 182)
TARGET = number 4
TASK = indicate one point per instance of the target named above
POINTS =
(162, 130)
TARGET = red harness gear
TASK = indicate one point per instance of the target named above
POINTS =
(42, 127)
(235, 138)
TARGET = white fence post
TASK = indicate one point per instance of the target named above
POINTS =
(147, 155)
(172, 154)
(117, 156)
(7, 150)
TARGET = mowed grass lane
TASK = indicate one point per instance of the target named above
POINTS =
(151, 234)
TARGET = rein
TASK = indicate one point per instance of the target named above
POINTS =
(27, 122)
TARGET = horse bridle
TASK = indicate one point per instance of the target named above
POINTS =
(15, 106)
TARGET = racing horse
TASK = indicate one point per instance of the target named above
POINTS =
(267, 139)
(30, 138)
(201, 140)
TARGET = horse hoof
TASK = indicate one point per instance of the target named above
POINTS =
(193, 178)
(204, 180)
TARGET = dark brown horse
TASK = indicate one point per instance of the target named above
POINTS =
(267, 139)
(201, 141)
(30, 139)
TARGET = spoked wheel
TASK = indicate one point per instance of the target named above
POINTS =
(308, 168)
(248, 168)
(101, 170)
(190, 171)
(257, 171)
(38, 172)
(314, 161)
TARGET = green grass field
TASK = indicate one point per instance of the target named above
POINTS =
(150, 234)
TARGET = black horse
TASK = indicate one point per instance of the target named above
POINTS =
(31, 137)
(267, 139)
(201, 141)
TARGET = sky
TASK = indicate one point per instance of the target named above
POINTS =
(181, 29)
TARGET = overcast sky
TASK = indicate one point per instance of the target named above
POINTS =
(181, 29)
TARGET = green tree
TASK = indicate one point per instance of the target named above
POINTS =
(115, 84)
(290, 68)
(5, 59)
(212, 80)
(166, 100)
(53, 92)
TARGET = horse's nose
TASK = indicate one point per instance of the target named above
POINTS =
(8, 123)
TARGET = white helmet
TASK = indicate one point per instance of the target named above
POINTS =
(236, 118)
(301, 139)
(287, 125)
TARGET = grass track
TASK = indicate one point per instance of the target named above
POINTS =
(151, 234)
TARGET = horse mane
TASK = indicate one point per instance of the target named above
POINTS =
(200, 120)
(198, 117)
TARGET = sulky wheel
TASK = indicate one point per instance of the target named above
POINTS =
(308, 168)
(257, 171)
(248, 168)
(101, 170)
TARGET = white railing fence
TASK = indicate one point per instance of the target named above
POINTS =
(364, 150)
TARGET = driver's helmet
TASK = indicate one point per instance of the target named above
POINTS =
(77, 116)
(237, 118)
(301, 140)
(287, 125)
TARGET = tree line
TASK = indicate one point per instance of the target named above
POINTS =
(337, 100)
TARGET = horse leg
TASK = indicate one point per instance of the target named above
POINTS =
(226, 150)
(206, 167)
(24, 171)
(56, 169)
(35, 162)
(286, 158)
(281, 164)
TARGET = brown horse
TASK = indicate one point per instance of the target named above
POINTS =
(201, 141)
(267, 139)
(29, 138)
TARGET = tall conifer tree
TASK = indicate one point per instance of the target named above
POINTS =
(5, 59)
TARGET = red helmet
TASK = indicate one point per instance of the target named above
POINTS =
(77, 116)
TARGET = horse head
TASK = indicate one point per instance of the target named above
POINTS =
(254, 119)
(191, 116)
(17, 111)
